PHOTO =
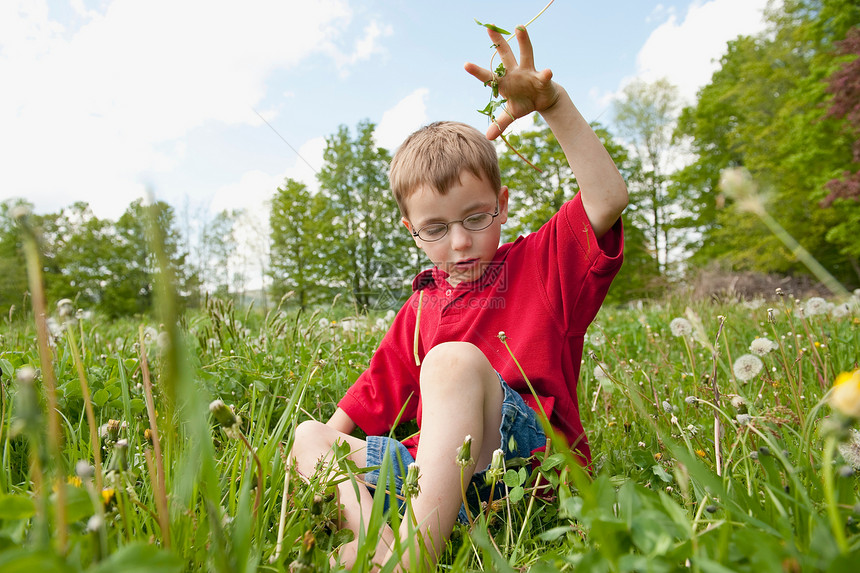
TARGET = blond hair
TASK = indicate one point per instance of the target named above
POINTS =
(436, 154)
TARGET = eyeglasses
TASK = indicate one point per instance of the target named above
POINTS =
(476, 222)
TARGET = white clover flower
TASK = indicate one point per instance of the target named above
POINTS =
(762, 346)
(747, 367)
(680, 327)
(815, 305)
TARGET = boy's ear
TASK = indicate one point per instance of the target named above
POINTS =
(408, 226)
(503, 204)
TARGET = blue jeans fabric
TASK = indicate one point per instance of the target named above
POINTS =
(520, 433)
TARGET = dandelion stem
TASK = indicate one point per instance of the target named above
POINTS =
(716, 388)
(830, 496)
(157, 466)
(259, 493)
(88, 407)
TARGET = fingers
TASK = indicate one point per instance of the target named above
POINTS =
(482, 74)
(500, 123)
(503, 49)
(526, 50)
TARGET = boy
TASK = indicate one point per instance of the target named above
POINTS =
(443, 362)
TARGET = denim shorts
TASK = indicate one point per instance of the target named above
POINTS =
(520, 433)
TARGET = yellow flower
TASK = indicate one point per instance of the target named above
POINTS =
(658, 456)
(74, 480)
(701, 453)
(108, 495)
(845, 396)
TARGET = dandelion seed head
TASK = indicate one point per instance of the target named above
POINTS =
(680, 327)
(600, 371)
(743, 419)
(747, 367)
(597, 338)
(815, 306)
(762, 346)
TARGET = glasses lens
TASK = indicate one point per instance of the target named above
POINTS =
(478, 221)
(433, 232)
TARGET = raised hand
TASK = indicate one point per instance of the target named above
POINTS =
(525, 89)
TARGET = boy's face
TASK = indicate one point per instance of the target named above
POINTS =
(461, 253)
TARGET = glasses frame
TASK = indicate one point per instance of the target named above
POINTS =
(449, 223)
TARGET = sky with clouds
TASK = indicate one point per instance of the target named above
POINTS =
(210, 104)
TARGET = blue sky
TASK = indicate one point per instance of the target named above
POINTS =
(103, 99)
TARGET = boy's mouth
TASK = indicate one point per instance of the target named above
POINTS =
(466, 264)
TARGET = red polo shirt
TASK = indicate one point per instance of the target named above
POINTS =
(542, 291)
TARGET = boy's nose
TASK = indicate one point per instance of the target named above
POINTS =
(461, 238)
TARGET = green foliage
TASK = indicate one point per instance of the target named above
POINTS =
(300, 233)
(645, 116)
(765, 109)
(536, 197)
(362, 241)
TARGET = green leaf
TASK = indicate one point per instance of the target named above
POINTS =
(661, 473)
(29, 560)
(516, 494)
(493, 27)
(100, 397)
(512, 478)
(16, 507)
(140, 558)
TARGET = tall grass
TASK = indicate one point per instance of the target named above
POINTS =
(698, 465)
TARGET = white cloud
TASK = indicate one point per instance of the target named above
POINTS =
(91, 113)
(688, 52)
(365, 47)
(406, 116)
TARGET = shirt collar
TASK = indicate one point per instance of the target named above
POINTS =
(436, 277)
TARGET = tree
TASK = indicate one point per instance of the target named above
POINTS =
(645, 116)
(215, 246)
(535, 197)
(13, 272)
(129, 265)
(765, 110)
(297, 242)
(844, 86)
(364, 241)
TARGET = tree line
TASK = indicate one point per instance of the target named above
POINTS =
(783, 104)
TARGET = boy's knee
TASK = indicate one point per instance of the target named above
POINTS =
(463, 355)
(449, 362)
(309, 441)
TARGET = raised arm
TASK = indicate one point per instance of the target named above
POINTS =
(603, 191)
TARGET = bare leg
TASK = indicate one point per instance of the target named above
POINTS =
(461, 395)
(314, 440)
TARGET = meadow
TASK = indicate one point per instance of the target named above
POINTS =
(719, 444)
